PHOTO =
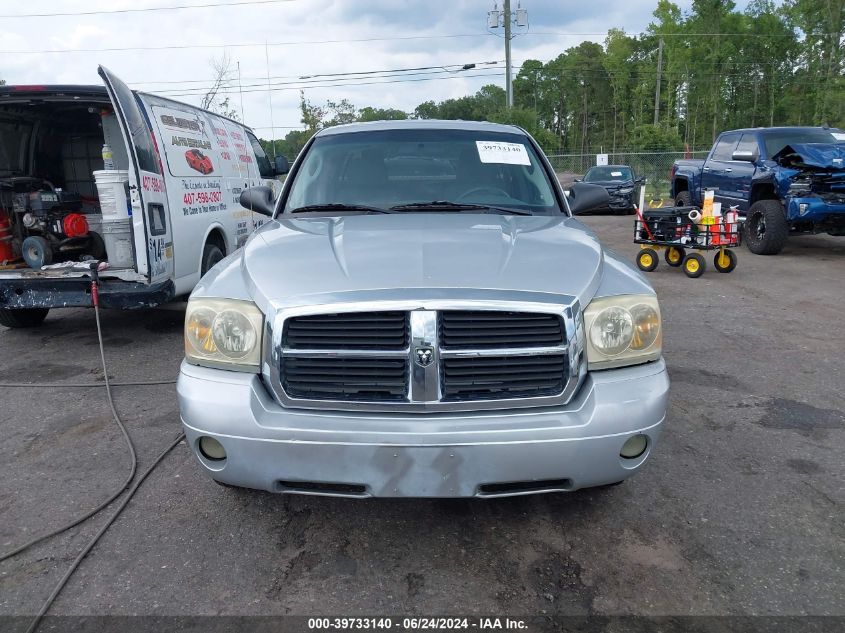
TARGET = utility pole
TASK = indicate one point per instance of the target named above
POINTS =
(520, 16)
(657, 87)
(508, 69)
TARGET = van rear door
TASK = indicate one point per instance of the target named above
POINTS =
(151, 225)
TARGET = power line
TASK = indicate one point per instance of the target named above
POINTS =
(457, 67)
(359, 40)
(308, 82)
(241, 44)
(144, 10)
(324, 81)
(579, 66)
(340, 85)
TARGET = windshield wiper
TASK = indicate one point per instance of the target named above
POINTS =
(445, 205)
(338, 206)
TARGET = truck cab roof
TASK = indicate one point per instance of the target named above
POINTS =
(422, 124)
(777, 130)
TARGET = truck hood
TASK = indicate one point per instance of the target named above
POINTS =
(819, 156)
(291, 259)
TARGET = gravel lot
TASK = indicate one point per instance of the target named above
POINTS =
(738, 512)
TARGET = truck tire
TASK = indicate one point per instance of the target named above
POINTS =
(682, 199)
(766, 228)
(211, 254)
(22, 317)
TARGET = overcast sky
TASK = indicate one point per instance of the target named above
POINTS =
(555, 25)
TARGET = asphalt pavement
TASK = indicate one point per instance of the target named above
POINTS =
(739, 511)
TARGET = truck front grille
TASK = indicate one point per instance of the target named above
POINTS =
(344, 379)
(356, 330)
(492, 377)
(425, 360)
(461, 329)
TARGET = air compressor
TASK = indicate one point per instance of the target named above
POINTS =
(46, 225)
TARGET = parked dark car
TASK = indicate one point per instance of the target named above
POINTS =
(621, 184)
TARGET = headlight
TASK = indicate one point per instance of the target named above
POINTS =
(223, 333)
(623, 330)
(625, 191)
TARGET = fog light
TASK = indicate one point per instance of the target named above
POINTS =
(803, 207)
(213, 450)
(634, 447)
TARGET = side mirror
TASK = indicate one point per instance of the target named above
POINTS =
(746, 155)
(280, 165)
(258, 199)
(639, 181)
(585, 197)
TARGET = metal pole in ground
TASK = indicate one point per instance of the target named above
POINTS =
(657, 82)
(508, 71)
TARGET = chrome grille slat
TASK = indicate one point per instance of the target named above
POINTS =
(513, 351)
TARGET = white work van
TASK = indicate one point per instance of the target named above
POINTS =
(164, 212)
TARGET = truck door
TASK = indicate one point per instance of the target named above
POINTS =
(738, 192)
(718, 167)
(150, 214)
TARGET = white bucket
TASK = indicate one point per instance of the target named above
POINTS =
(117, 234)
(113, 191)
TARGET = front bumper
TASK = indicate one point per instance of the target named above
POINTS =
(75, 292)
(816, 210)
(618, 201)
(494, 453)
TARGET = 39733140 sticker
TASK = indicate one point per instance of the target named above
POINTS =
(502, 153)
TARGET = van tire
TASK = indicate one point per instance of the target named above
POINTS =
(22, 317)
(211, 254)
(766, 228)
(682, 199)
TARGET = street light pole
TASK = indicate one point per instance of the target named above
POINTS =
(508, 65)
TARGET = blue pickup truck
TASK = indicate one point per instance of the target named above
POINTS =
(783, 180)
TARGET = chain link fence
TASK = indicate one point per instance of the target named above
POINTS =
(655, 167)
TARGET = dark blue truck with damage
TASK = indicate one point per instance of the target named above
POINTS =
(782, 180)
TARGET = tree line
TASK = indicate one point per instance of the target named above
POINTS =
(720, 68)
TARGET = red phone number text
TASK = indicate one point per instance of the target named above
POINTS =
(203, 197)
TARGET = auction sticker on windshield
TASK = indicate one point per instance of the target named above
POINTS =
(503, 153)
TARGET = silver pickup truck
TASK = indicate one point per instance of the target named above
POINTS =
(423, 317)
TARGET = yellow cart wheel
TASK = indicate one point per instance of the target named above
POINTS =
(647, 259)
(674, 256)
(724, 261)
(694, 265)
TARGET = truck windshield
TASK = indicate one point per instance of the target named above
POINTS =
(776, 141)
(609, 174)
(417, 170)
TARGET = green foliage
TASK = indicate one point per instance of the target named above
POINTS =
(653, 138)
(381, 114)
(527, 120)
(478, 107)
